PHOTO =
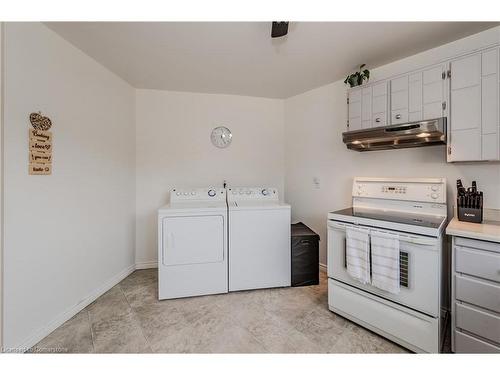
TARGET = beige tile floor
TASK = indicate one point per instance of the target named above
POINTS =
(130, 319)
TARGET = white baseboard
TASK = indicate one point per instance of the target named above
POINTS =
(68, 314)
(146, 265)
(323, 267)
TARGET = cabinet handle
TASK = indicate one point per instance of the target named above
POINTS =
(377, 119)
(398, 116)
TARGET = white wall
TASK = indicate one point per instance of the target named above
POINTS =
(174, 149)
(1, 185)
(314, 122)
(72, 233)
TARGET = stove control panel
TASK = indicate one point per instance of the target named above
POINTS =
(417, 189)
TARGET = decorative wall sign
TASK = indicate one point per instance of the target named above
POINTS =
(40, 157)
(40, 169)
(40, 122)
(40, 145)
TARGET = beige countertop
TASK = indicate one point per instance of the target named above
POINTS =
(488, 230)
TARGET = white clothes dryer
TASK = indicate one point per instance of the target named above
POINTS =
(192, 243)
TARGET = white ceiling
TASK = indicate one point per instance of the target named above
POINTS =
(241, 58)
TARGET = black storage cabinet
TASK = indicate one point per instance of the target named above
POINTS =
(305, 255)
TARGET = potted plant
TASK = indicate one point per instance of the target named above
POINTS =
(357, 78)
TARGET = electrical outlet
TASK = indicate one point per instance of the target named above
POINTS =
(316, 182)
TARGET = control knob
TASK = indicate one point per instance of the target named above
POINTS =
(434, 195)
(211, 193)
(265, 192)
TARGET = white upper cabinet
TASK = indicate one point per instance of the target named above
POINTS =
(399, 100)
(379, 104)
(354, 109)
(367, 106)
(434, 102)
(464, 89)
(474, 102)
(419, 96)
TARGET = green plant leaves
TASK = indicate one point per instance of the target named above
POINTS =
(357, 78)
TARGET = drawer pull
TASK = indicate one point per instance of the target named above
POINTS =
(398, 116)
(377, 119)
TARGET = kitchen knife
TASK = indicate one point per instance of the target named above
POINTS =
(460, 187)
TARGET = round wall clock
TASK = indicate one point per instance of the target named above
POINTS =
(221, 137)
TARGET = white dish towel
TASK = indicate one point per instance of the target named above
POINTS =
(358, 254)
(385, 261)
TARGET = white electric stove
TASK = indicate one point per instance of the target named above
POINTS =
(415, 210)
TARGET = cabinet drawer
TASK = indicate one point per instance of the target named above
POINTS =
(478, 322)
(379, 119)
(477, 244)
(477, 292)
(468, 344)
(399, 117)
(478, 263)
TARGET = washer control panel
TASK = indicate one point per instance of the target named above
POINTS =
(211, 194)
(252, 193)
(407, 189)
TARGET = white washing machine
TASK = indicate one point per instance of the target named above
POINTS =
(192, 243)
(259, 239)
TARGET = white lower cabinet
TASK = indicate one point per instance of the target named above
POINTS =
(475, 296)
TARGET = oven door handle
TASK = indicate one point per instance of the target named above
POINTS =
(424, 241)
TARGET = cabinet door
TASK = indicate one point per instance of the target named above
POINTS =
(399, 100)
(490, 105)
(433, 93)
(415, 97)
(354, 109)
(366, 107)
(465, 118)
(379, 104)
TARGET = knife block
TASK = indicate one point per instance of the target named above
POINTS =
(471, 215)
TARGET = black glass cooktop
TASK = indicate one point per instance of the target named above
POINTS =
(394, 217)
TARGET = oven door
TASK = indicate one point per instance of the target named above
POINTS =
(420, 262)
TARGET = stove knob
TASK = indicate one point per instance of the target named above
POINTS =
(235, 192)
(434, 196)
(434, 187)
(211, 193)
(249, 192)
(265, 192)
(241, 192)
(193, 193)
(178, 193)
(185, 193)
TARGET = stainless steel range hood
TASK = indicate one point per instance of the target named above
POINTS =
(412, 134)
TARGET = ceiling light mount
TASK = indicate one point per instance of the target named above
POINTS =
(279, 29)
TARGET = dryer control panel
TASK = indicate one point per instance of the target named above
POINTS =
(198, 194)
(252, 193)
